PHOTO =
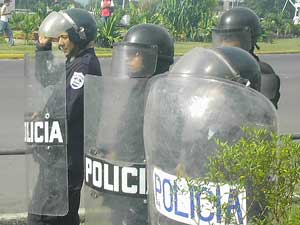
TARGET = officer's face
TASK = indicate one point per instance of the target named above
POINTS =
(229, 43)
(66, 45)
(135, 63)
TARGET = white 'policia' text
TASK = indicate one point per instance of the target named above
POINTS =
(43, 132)
(113, 178)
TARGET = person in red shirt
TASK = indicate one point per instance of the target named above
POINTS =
(107, 8)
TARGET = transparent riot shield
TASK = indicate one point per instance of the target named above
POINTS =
(183, 118)
(114, 147)
(45, 134)
(115, 174)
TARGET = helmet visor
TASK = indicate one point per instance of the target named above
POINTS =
(134, 60)
(53, 25)
(235, 38)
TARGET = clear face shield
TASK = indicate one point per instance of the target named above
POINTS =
(55, 24)
(232, 38)
(134, 60)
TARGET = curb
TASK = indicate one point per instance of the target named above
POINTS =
(12, 56)
(21, 218)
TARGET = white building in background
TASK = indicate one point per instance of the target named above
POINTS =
(227, 4)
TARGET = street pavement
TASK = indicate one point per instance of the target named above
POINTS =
(12, 168)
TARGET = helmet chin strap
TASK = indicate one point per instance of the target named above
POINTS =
(79, 30)
(257, 47)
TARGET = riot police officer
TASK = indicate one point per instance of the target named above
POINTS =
(147, 50)
(241, 27)
(152, 34)
(136, 212)
(76, 31)
(230, 63)
(208, 95)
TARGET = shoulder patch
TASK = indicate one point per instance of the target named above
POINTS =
(77, 80)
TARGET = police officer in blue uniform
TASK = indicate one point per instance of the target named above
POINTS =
(126, 210)
(240, 27)
(76, 31)
(149, 34)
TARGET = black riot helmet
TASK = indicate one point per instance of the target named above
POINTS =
(238, 27)
(152, 34)
(230, 63)
(78, 23)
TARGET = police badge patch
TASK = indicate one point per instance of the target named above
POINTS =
(77, 80)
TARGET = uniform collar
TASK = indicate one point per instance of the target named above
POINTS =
(81, 53)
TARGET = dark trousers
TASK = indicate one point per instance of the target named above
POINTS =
(72, 218)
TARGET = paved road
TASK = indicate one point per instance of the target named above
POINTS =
(12, 176)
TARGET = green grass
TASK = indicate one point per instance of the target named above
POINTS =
(183, 47)
(278, 46)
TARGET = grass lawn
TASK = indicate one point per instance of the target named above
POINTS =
(278, 46)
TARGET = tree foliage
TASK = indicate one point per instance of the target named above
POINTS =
(265, 7)
(186, 19)
(144, 12)
(276, 22)
(264, 164)
(108, 32)
(50, 4)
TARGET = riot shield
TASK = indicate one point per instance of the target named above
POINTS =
(184, 116)
(115, 173)
(114, 147)
(45, 134)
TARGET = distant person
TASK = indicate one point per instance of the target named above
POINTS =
(240, 27)
(106, 10)
(4, 26)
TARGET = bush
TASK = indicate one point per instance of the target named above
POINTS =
(261, 171)
(264, 164)
(109, 32)
(27, 23)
